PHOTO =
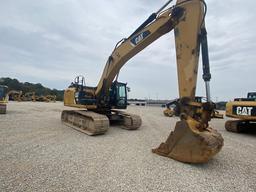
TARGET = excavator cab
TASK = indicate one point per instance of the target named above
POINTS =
(3, 99)
(252, 96)
(118, 95)
(3, 91)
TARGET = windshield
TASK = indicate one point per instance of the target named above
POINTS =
(122, 91)
(2, 94)
(252, 95)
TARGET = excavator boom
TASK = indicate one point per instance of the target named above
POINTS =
(163, 23)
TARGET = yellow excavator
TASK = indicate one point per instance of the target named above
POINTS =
(192, 140)
(244, 111)
(3, 99)
(28, 96)
(15, 95)
(47, 98)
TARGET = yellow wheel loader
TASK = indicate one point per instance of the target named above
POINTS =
(192, 140)
(29, 96)
(244, 111)
(50, 98)
(3, 99)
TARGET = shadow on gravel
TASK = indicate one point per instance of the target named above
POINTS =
(10, 112)
(249, 131)
(210, 165)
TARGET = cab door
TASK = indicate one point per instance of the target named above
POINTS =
(118, 95)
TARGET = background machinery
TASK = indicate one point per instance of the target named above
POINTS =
(173, 108)
(3, 99)
(47, 98)
(28, 96)
(192, 140)
(15, 95)
(244, 111)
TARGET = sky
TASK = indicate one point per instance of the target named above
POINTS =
(52, 41)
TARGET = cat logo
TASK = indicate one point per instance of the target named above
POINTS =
(244, 111)
(138, 38)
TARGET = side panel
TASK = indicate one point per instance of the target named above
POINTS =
(244, 110)
(187, 47)
(69, 97)
(69, 100)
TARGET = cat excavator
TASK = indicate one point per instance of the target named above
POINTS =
(193, 140)
(243, 112)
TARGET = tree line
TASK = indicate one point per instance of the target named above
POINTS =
(38, 88)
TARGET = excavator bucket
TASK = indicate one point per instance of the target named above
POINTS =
(189, 145)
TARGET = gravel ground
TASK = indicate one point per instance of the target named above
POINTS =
(39, 153)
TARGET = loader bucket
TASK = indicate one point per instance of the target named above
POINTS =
(189, 145)
(168, 112)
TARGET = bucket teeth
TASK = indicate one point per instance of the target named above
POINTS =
(189, 145)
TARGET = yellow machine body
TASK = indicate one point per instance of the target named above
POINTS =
(70, 99)
(243, 112)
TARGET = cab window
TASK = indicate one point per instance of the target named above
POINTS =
(252, 95)
(121, 91)
(1, 92)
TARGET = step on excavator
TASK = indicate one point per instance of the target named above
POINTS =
(192, 140)
(243, 112)
(3, 99)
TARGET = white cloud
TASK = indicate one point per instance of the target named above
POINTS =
(52, 41)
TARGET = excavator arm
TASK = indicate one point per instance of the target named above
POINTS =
(192, 140)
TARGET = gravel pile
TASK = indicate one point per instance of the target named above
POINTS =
(39, 153)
